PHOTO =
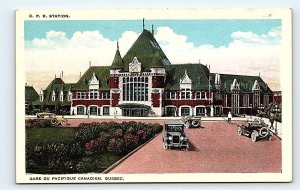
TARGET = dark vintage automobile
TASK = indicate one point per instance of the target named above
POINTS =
(191, 121)
(174, 136)
(256, 129)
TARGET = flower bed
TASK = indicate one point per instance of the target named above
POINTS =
(95, 147)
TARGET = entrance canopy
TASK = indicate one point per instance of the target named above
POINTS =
(134, 110)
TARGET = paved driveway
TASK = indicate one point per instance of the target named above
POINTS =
(214, 148)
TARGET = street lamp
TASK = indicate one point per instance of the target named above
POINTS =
(275, 118)
(251, 111)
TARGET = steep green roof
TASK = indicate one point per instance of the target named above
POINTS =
(101, 72)
(145, 48)
(30, 94)
(246, 83)
(56, 85)
(118, 61)
(197, 72)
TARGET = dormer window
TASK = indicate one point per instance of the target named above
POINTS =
(41, 95)
(256, 86)
(94, 94)
(217, 81)
(69, 96)
(53, 96)
(94, 82)
(61, 96)
(235, 85)
(185, 81)
(135, 66)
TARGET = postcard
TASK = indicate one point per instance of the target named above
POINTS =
(153, 95)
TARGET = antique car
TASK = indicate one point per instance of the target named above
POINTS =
(191, 121)
(174, 136)
(45, 115)
(58, 121)
(256, 129)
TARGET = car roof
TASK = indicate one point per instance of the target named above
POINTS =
(174, 123)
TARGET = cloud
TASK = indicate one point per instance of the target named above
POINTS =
(248, 53)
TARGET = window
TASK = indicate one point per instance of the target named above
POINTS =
(94, 94)
(200, 95)
(185, 111)
(80, 110)
(266, 100)
(135, 89)
(106, 110)
(80, 95)
(246, 100)
(69, 96)
(256, 99)
(106, 95)
(200, 111)
(53, 97)
(41, 98)
(61, 97)
(93, 110)
(171, 95)
(185, 93)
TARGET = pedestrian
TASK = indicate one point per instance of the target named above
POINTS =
(229, 117)
(271, 119)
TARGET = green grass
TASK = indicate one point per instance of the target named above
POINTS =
(36, 135)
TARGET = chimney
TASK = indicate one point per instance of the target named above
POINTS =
(152, 30)
(62, 74)
(80, 75)
(55, 76)
(143, 23)
(90, 63)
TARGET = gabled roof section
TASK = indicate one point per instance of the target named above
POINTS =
(185, 79)
(102, 74)
(197, 72)
(57, 85)
(30, 94)
(245, 82)
(146, 48)
(118, 62)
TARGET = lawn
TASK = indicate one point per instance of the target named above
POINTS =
(36, 135)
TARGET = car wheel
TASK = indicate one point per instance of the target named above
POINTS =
(53, 122)
(195, 123)
(253, 137)
(63, 123)
(263, 132)
(239, 130)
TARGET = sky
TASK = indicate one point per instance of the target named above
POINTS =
(249, 47)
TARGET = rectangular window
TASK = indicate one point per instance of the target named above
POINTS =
(246, 100)
(106, 110)
(106, 95)
(135, 88)
(94, 94)
(185, 93)
(80, 95)
(170, 95)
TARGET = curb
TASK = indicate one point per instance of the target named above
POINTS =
(128, 155)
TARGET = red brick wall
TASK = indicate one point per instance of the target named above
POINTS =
(114, 82)
(115, 99)
(155, 99)
(157, 81)
(91, 102)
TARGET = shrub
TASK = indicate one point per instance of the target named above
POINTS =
(37, 123)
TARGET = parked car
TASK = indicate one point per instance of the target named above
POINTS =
(45, 115)
(256, 129)
(189, 121)
(174, 135)
(58, 121)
